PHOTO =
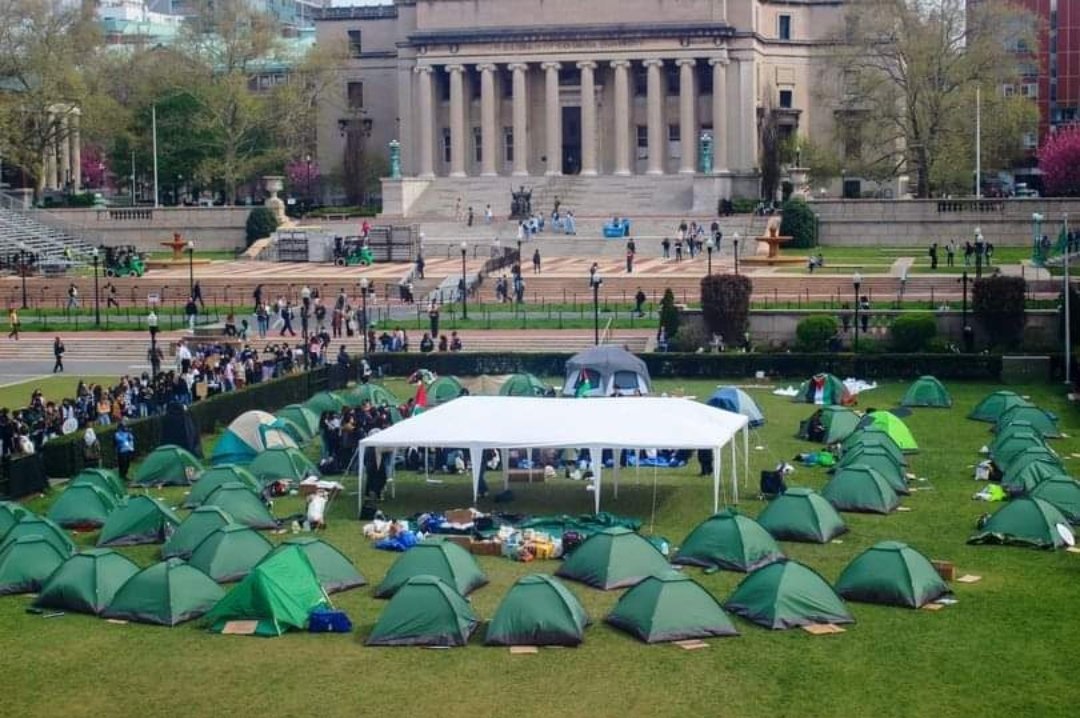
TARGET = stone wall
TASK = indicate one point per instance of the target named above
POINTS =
(212, 228)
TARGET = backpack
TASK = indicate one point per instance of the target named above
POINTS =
(772, 483)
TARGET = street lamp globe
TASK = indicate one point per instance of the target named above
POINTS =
(710, 245)
(464, 247)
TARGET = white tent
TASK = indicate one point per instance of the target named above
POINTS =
(502, 422)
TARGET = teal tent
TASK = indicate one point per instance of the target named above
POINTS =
(333, 568)
(325, 401)
(996, 404)
(82, 506)
(305, 419)
(1043, 421)
(823, 389)
(730, 541)
(142, 519)
(199, 524)
(31, 525)
(247, 435)
(105, 479)
(929, 392)
(861, 489)
(282, 465)
(829, 424)
(523, 385)
(167, 465)
(1063, 493)
(10, 513)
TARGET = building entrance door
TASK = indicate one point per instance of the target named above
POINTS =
(571, 139)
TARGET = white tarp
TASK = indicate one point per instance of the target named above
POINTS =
(502, 422)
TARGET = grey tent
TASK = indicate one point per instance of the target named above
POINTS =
(606, 371)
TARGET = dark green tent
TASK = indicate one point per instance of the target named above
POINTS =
(1063, 493)
(212, 479)
(31, 525)
(613, 558)
(284, 463)
(325, 401)
(927, 391)
(672, 607)
(166, 593)
(1007, 445)
(377, 394)
(538, 610)
(168, 465)
(10, 513)
(1043, 421)
(87, 581)
(801, 515)
(230, 552)
(892, 573)
(838, 421)
(730, 541)
(306, 420)
(787, 594)
(1024, 521)
(996, 404)
(199, 524)
(333, 569)
(280, 594)
(879, 459)
(1023, 480)
(1019, 426)
(424, 612)
(105, 479)
(243, 504)
(26, 562)
(444, 389)
(861, 489)
(142, 519)
(873, 436)
(523, 385)
(442, 559)
(83, 506)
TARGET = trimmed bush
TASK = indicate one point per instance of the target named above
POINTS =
(261, 222)
(814, 333)
(692, 335)
(913, 332)
(998, 302)
(669, 314)
(799, 223)
(725, 305)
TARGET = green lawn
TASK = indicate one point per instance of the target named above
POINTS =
(55, 388)
(1001, 651)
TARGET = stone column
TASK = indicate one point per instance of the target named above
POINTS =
(457, 120)
(719, 113)
(621, 112)
(488, 128)
(687, 121)
(76, 148)
(554, 118)
(655, 115)
(62, 139)
(50, 153)
(588, 118)
(748, 138)
(521, 115)
(426, 163)
(406, 127)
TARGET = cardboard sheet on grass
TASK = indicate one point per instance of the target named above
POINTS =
(482, 422)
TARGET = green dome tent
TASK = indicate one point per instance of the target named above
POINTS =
(879, 459)
(230, 552)
(538, 610)
(333, 569)
(836, 424)
(891, 573)
(523, 385)
(1032, 455)
(84, 506)
(282, 464)
(325, 401)
(26, 562)
(305, 419)
(105, 479)
(432, 557)
(167, 593)
(424, 612)
(787, 594)
(873, 436)
(672, 607)
(377, 394)
(31, 525)
(167, 466)
(444, 389)
(823, 389)
(1007, 445)
(801, 515)
(87, 581)
(280, 593)
(10, 514)
(199, 524)
(1043, 421)
(294, 432)
(896, 429)
(214, 478)
(1061, 492)
(996, 404)
(1020, 426)
(141, 520)
(1024, 479)
(247, 435)
(1024, 521)
(861, 489)
(730, 541)
(615, 557)
(243, 504)
(927, 391)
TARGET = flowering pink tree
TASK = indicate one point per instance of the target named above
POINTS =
(95, 169)
(1059, 160)
(302, 176)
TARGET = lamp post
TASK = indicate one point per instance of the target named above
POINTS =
(363, 311)
(1068, 328)
(595, 281)
(709, 246)
(735, 243)
(307, 190)
(856, 281)
(1036, 239)
(190, 249)
(965, 331)
(97, 297)
(24, 262)
(464, 283)
(978, 252)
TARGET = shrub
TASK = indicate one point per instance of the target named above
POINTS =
(913, 332)
(691, 336)
(799, 223)
(669, 314)
(261, 222)
(998, 302)
(725, 305)
(815, 332)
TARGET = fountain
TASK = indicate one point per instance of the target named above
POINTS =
(773, 239)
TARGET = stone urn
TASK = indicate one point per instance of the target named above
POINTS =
(275, 204)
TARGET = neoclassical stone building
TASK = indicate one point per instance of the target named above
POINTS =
(513, 91)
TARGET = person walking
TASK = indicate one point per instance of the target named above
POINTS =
(639, 302)
(630, 258)
(950, 253)
(58, 353)
(420, 265)
(933, 256)
(73, 297)
(433, 317)
(191, 309)
(678, 248)
(469, 218)
(13, 322)
(111, 299)
(488, 214)
(536, 261)
(286, 319)
(196, 294)
(152, 325)
(257, 295)
(665, 244)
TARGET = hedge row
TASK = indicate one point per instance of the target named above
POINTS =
(64, 457)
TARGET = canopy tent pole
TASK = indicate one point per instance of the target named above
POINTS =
(716, 480)
(391, 477)
(596, 455)
(652, 514)
(734, 474)
(427, 476)
(615, 470)
(476, 456)
(504, 459)
(360, 483)
(745, 453)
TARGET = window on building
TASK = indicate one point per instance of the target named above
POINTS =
(508, 143)
(442, 86)
(478, 144)
(674, 145)
(507, 80)
(786, 101)
(1008, 90)
(1031, 140)
(641, 81)
(472, 77)
(570, 76)
(673, 79)
(673, 133)
(783, 30)
(642, 142)
(1030, 89)
(446, 144)
(356, 47)
(355, 95)
(704, 78)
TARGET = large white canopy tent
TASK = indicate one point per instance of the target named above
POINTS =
(477, 423)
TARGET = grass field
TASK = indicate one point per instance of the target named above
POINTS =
(1003, 650)
(55, 388)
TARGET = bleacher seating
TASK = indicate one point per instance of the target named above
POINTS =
(20, 230)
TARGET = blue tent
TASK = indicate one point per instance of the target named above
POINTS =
(730, 398)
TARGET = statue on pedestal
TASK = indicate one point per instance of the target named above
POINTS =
(520, 203)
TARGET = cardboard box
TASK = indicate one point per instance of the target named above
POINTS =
(459, 516)
(945, 569)
(526, 475)
(462, 541)
(485, 548)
